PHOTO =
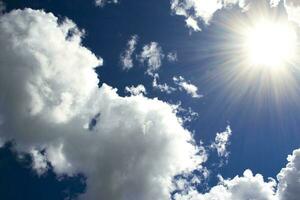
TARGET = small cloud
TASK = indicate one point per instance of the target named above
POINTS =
(172, 57)
(152, 55)
(192, 23)
(126, 56)
(188, 87)
(102, 3)
(39, 162)
(138, 90)
(221, 142)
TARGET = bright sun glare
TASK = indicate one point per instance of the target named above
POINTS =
(270, 44)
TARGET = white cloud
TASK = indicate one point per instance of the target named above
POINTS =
(102, 3)
(293, 10)
(165, 88)
(196, 11)
(246, 187)
(274, 3)
(126, 56)
(153, 55)
(192, 23)
(49, 92)
(39, 163)
(188, 87)
(289, 178)
(251, 186)
(138, 90)
(221, 142)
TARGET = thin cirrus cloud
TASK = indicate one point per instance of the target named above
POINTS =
(124, 157)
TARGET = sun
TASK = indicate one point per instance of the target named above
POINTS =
(270, 44)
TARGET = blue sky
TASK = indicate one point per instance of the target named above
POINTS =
(204, 109)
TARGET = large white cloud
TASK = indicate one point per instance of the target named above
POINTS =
(50, 97)
(289, 178)
(135, 146)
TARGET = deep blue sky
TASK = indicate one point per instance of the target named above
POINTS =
(264, 131)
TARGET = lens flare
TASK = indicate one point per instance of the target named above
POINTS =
(270, 44)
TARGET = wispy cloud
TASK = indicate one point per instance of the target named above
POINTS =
(126, 56)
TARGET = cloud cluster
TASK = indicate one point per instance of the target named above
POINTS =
(249, 186)
(196, 11)
(246, 187)
(50, 96)
(136, 146)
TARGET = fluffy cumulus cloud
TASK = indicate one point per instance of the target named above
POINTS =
(50, 95)
(249, 186)
(186, 86)
(102, 3)
(126, 56)
(289, 178)
(136, 145)
(152, 55)
(196, 11)
(138, 90)
(246, 187)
